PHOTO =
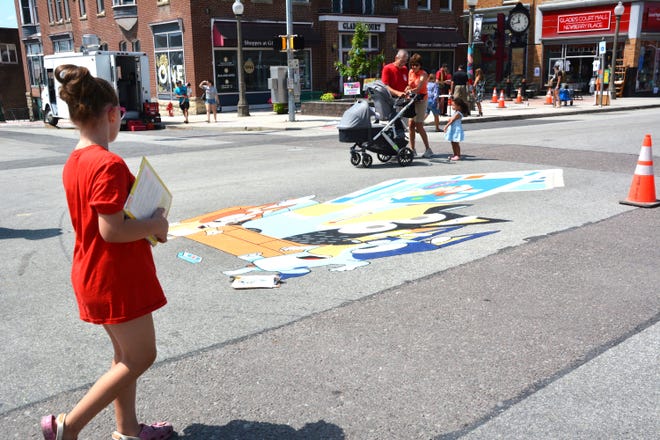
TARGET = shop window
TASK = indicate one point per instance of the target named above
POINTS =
(256, 69)
(648, 73)
(168, 50)
(35, 62)
(8, 54)
(29, 12)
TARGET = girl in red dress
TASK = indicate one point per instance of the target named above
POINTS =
(113, 274)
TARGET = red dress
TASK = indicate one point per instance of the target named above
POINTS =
(113, 282)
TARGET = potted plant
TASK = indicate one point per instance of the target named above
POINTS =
(360, 63)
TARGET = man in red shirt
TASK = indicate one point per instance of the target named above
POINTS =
(395, 74)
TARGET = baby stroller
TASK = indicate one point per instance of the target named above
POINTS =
(387, 140)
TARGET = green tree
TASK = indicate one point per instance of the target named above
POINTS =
(360, 63)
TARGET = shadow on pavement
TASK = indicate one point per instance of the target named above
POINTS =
(247, 430)
(29, 234)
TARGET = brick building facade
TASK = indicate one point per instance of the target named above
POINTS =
(12, 97)
(568, 33)
(194, 41)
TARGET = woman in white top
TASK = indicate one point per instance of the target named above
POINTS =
(211, 100)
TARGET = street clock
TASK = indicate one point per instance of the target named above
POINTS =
(518, 19)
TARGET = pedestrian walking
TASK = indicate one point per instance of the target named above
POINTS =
(395, 74)
(444, 84)
(113, 272)
(454, 129)
(433, 101)
(210, 100)
(181, 92)
(417, 79)
(459, 82)
(479, 89)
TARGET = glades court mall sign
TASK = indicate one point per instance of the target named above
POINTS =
(587, 22)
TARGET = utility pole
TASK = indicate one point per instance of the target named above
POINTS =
(289, 61)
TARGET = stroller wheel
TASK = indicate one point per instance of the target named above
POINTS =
(367, 160)
(355, 158)
(405, 156)
(384, 157)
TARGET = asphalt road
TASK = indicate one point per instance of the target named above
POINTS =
(546, 329)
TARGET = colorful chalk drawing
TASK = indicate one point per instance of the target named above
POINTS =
(395, 217)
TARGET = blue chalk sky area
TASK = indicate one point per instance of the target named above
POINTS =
(7, 14)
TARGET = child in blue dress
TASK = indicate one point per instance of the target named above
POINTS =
(454, 129)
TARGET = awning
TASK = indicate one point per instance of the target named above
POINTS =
(428, 38)
(260, 34)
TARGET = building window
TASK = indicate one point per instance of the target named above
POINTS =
(122, 2)
(226, 74)
(423, 5)
(62, 43)
(136, 46)
(123, 46)
(363, 7)
(66, 10)
(83, 8)
(168, 50)
(29, 12)
(34, 54)
(401, 4)
(100, 6)
(445, 5)
(58, 10)
(8, 54)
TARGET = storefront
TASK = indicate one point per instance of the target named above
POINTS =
(437, 46)
(571, 37)
(648, 62)
(258, 56)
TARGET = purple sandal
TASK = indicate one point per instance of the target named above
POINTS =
(156, 431)
(52, 427)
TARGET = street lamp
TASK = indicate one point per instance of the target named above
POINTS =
(618, 12)
(242, 108)
(470, 68)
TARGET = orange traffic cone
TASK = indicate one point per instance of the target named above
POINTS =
(494, 98)
(519, 97)
(500, 103)
(548, 98)
(642, 190)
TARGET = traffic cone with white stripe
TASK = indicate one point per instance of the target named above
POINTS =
(548, 98)
(642, 190)
(494, 98)
(519, 97)
(500, 103)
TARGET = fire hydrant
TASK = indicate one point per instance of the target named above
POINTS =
(170, 109)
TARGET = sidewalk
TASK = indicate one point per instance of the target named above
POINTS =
(268, 120)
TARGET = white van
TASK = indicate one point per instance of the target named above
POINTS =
(128, 72)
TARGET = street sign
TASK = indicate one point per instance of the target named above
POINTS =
(602, 48)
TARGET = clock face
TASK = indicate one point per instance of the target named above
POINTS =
(518, 22)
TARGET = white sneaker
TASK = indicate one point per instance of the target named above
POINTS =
(428, 154)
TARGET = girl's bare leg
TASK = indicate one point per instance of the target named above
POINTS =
(134, 343)
(456, 147)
